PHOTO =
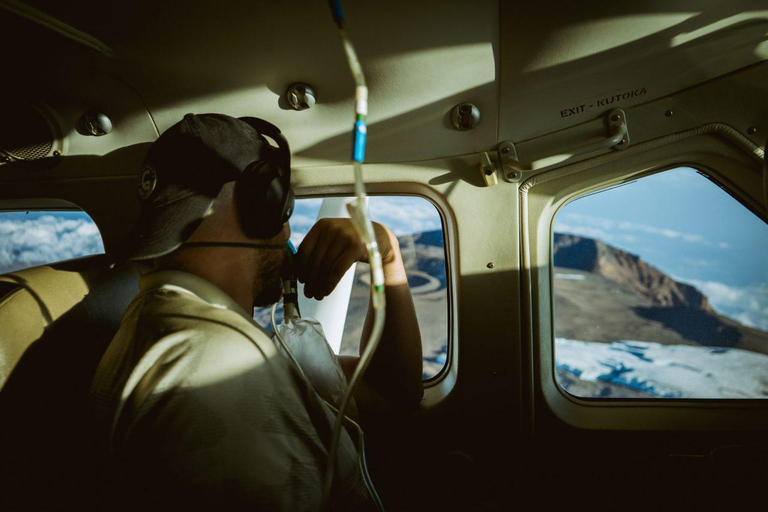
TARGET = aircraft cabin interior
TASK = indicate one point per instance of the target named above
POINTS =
(579, 191)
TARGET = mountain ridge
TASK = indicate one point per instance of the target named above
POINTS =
(591, 255)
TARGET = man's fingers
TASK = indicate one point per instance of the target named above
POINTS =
(304, 252)
(330, 245)
(337, 271)
(320, 278)
(315, 269)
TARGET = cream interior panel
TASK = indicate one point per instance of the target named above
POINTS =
(568, 63)
(421, 59)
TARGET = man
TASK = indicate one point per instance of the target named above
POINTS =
(195, 403)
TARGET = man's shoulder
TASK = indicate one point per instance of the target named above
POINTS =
(171, 340)
(171, 324)
(170, 307)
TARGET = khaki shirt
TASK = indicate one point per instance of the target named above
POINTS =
(198, 407)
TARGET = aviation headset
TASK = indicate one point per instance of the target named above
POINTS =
(263, 195)
(264, 199)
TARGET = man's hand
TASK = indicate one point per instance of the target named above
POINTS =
(330, 248)
(393, 379)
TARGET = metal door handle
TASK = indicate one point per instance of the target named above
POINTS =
(618, 139)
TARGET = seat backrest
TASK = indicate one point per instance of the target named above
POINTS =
(56, 322)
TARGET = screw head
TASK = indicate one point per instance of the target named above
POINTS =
(505, 150)
(7, 159)
(491, 264)
(96, 123)
(300, 96)
(57, 153)
(616, 118)
(512, 175)
(752, 130)
(669, 113)
(465, 116)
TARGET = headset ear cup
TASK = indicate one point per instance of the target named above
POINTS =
(261, 200)
(245, 199)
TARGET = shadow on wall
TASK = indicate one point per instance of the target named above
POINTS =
(694, 324)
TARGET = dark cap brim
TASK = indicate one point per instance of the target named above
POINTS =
(160, 231)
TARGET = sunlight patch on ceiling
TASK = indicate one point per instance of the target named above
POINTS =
(600, 35)
(745, 28)
(407, 81)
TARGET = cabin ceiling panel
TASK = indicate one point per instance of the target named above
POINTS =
(569, 62)
(239, 57)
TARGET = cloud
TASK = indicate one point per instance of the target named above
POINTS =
(609, 229)
(404, 215)
(594, 232)
(667, 233)
(46, 239)
(698, 262)
(748, 304)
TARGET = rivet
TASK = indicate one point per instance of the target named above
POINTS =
(616, 118)
(623, 141)
(512, 175)
(505, 150)
(8, 159)
(57, 153)
(491, 264)
(751, 130)
(669, 113)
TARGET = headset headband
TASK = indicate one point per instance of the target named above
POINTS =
(273, 132)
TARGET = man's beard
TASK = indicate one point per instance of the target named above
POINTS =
(270, 293)
(271, 285)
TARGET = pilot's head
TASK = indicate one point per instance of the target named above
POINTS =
(212, 187)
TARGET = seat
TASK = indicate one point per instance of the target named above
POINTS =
(56, 321)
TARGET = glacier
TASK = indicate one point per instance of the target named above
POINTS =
(666, 371)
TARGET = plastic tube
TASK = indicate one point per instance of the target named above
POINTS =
(358, 211)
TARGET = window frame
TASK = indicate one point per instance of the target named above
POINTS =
(591, 191)
(438, 386)
(542, 197)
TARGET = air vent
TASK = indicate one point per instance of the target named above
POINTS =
(28, 133)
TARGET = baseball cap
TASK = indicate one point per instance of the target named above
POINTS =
(182, 173)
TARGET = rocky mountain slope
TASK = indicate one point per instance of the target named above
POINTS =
(606, 294)
(626, 269)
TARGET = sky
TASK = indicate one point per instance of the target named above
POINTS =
(686, 226)
(404, 215)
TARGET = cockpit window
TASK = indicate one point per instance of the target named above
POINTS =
(33, 238)
(661, 291)
(419, 228)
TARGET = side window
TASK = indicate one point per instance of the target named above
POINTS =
(419, 228)
(33, 238)
(661, 291)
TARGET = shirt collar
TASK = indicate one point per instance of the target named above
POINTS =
(196, 285)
